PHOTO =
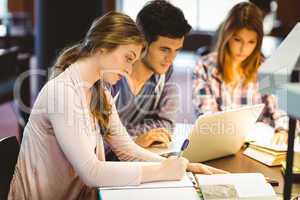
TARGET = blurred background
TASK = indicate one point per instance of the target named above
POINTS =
(32, 32)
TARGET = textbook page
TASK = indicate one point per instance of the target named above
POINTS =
(239, 185)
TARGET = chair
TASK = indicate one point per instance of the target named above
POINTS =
(197, 39)
(9, 150)
(12, 65)
(202, 51)
(8, 71)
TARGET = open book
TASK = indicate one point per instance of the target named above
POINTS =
(248, 186)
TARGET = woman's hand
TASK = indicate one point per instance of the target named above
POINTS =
(280, 137)
(199, 168)
(174, 168)
(171, 169)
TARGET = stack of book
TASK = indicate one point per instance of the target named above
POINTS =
(270, 155)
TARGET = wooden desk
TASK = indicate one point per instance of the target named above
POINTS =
(240, 163)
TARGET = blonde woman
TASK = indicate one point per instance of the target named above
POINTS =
(227, 78)
(62, 154)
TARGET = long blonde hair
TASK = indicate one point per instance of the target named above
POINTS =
(108, 31)
(242, 15)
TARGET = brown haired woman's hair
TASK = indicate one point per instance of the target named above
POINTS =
(243, 15)
(108, 31)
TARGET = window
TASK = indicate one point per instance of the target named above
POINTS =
(3, 16)
(201, 14)
(3, 8)
(210, 15)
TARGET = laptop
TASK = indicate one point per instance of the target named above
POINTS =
(213, 135)
(221, 134)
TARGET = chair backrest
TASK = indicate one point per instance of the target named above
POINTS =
(12, 66)
(9, 150)
(197, 39)
(8, 63)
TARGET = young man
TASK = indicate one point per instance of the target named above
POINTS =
(147, 100)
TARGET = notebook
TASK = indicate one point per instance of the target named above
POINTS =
(175, 190)
(150, 194)
(184, 182)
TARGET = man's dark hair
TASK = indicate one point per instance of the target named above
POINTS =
(161, 18)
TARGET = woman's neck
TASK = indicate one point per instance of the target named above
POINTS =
(88, 75)
(235, 65)
(233, 73)
(88, 71)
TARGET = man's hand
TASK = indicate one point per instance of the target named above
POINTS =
(199, 168)
(157, 136)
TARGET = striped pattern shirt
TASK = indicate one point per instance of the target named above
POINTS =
(211, 93)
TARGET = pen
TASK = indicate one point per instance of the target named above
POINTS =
(183, 146)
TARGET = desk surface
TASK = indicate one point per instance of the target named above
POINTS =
(241, 163)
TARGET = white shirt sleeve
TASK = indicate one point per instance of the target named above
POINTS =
(72, 132)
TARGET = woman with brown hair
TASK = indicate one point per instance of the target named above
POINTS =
(227, 78)
(62, 154)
